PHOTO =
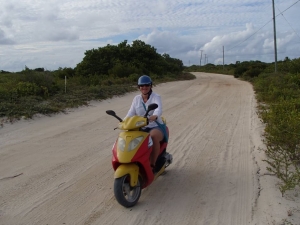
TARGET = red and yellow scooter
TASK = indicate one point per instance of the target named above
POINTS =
(131, 154)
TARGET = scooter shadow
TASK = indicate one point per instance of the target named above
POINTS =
(175, 187)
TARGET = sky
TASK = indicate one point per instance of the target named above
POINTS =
(56, 33)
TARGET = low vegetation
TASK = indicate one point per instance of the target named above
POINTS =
(279, 95)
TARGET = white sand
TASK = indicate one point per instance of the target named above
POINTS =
(57, 170)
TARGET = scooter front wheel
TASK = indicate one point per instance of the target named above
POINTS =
(126, 195)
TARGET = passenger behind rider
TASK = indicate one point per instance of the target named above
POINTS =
(139, 106)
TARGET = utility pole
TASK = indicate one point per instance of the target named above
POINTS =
(223, 57)
(275, 44)
(201, 56)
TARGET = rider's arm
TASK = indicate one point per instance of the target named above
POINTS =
(158, 111)
(132, 111)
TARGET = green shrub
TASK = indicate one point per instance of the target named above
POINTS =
(134, 77)
(40, 79)
(253, 72)
(26, 89)
(122, 70)
(239, 71)
(281, 114)
(65, 72)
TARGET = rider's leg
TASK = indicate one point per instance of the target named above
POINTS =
(156, 136)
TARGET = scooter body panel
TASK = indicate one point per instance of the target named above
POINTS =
(131, 169)
(138, 156)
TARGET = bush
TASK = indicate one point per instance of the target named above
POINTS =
(26, 89)
(282, 139)
(65, 72)
(239, 71)
(44, 80)
(123, 70)
(254, 72)
(281, 114)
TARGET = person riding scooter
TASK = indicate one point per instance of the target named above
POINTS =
(139, 106)
(130, 156)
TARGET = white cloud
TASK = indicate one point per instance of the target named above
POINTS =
(57, 33)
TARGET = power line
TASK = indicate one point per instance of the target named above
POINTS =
(264, 25)
(290, 6)
(249, 54)
(251, 35)
(288, 23)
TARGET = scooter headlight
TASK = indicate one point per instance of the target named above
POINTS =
(134, 143)
(139, 123)
(121, 144)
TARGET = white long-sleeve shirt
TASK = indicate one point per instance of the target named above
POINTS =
(138, 109)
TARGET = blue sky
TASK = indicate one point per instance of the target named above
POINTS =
(56, 33)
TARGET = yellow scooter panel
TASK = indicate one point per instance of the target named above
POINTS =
(131, 169)
(133, 123)
(128, 143)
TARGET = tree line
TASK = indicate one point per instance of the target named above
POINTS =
(102, 73)
(123, 60)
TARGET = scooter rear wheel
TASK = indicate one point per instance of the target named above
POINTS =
(126, 195)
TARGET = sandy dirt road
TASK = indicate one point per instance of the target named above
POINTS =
(57, 170)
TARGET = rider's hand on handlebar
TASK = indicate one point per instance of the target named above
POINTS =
(152, 118)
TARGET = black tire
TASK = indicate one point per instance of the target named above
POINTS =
(126, 195)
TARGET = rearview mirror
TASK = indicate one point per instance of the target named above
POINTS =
(152, 106)
(111, 112)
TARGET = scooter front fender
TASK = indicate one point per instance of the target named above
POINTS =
(131, 169)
